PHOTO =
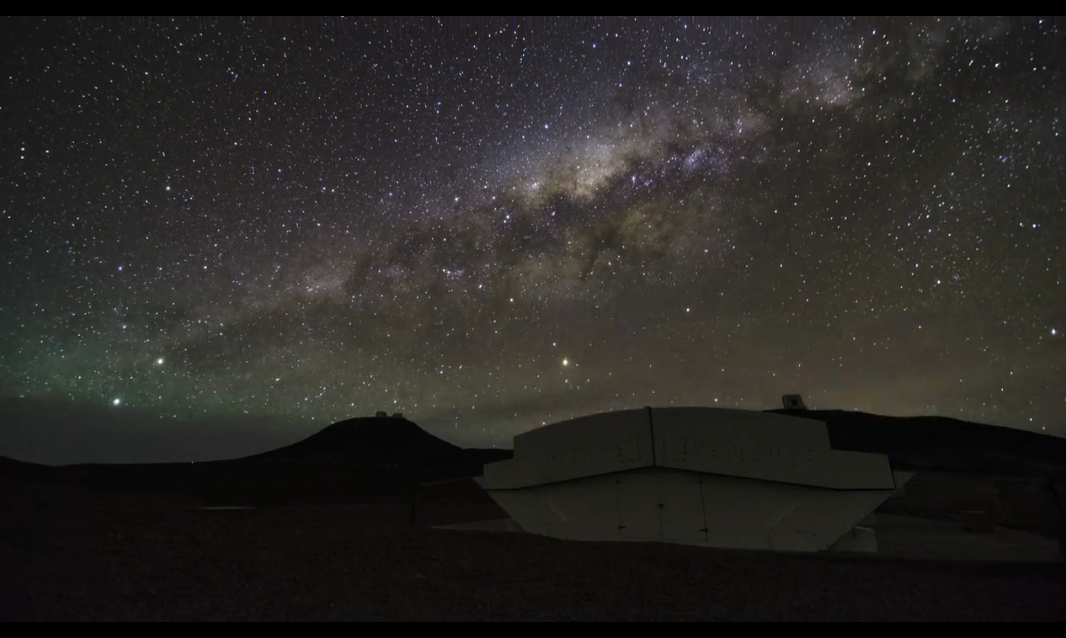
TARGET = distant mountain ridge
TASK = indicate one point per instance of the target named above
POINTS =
(943, 443)
(370, 440)
(356, 459)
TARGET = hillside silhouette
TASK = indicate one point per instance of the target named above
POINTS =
(370, 441)
(943, 443)
(383, 458)
(357, 460)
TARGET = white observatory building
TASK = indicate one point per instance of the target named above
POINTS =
(699, 476)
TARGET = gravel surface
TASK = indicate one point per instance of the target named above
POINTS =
(73, 558)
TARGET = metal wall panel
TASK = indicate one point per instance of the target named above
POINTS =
(822, 519)
(579, 448)
(740, 443)
(541, 442)
(746, 425)
(825, 516)
(586, 509)
(724, 478)
(740, 512)
(504, 475)
(638, 506)
(736, 512)
(854, 470)
(763, 446)
(681, 506)
(526, 508)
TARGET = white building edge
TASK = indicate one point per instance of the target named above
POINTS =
(700, 476)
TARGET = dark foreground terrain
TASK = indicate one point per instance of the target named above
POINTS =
(70, 554)
(330, 537)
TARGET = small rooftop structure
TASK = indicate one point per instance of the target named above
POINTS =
(381, 415)
(793, 402)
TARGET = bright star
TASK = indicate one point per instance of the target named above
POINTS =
(116, 401)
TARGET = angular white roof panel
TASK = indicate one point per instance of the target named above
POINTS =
(586, 446)
(739, 443)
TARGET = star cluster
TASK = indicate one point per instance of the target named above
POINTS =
(493, 224)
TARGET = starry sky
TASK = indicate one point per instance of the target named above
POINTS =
(492, 224)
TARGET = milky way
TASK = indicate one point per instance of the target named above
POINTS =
(496, 224)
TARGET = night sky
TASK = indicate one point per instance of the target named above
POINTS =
(492, 225)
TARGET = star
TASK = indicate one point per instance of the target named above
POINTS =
(409, 216)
